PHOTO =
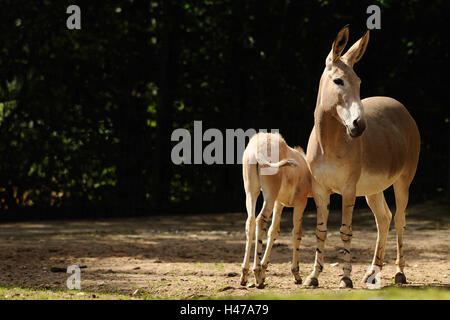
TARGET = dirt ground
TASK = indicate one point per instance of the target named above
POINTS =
(200, 256)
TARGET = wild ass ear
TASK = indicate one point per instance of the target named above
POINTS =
(338, 45)
(355, 53)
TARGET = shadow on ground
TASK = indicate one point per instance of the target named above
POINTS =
(206, 251)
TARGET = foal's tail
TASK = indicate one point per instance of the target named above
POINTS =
(279, 164)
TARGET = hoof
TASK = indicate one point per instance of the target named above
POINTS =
(260, 277)
(244, 277)
(372, 280)
(243, 280)
(261, 286)
(345, 283)
(297, 277)
(312, 282)
(400, 278)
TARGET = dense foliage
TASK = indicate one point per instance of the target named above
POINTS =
(86, 115)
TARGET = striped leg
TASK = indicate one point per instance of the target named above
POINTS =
(261, 228)
(348, 204)
(322, 199)
(274, 232)
(296, 238)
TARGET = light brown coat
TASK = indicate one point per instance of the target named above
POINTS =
(288, 184)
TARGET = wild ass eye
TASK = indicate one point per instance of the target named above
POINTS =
(339, 82)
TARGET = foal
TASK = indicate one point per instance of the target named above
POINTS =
(286, 183)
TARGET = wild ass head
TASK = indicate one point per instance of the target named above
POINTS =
(339, 93)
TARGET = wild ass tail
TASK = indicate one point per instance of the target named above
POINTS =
(282, 163)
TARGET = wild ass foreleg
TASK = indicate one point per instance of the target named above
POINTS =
(296, 238)
(274, 232)
(348, 204)
(261, 228)
(383, 216)
(322, 199)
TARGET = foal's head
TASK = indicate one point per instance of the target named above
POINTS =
(339, 86)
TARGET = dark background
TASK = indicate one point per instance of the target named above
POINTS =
(86, 115)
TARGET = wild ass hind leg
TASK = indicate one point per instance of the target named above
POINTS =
(383, 217)
(401, 190)
(348, 204)
(249, 232)
(261, 228)
(322, 200)
(274, 232)
(297, 218)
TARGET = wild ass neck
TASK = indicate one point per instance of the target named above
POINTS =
(331, 133)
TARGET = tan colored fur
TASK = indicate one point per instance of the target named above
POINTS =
(359, 148)
(290, 186)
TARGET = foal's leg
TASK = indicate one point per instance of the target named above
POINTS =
(249, 232)
(261, 228)
(348, 204)
(322, 199)
(383, 216)
(297, 218)
(401, 189)
(274, 231)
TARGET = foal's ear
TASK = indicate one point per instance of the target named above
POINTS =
(338, 45)
(355, 53)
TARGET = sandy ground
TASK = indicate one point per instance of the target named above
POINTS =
(199, 256)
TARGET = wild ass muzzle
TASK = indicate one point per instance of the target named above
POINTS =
(359, 148)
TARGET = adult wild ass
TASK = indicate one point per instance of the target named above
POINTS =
(359, 148)
(288, 185)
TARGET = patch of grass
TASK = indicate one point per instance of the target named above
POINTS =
(219, 266)
(390, 293)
